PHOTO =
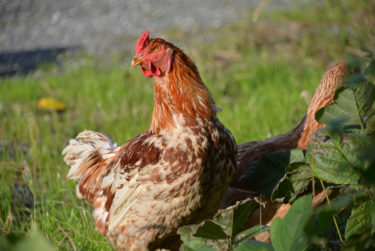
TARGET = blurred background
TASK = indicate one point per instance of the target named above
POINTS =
(32, 31)
(65, 67)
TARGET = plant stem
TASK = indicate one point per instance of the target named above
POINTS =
(260, 211)
(313, 186)
(359, 113)
(333, 216)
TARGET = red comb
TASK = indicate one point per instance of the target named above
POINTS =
(142, 42)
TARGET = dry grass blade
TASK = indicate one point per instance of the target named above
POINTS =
(69, 238)
(261, 6)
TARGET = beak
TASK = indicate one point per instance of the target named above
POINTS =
(137, 60)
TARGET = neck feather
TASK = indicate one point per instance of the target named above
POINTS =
(180, 92)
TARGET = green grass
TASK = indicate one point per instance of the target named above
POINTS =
(255, 71)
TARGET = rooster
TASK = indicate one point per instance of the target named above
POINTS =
(173, 174)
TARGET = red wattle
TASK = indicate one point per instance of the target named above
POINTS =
(147, 73)
(152, 71)
(155, 71)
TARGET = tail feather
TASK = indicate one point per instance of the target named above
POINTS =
(298, 137)
(89, 156)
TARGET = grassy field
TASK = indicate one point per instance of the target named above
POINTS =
(255, 69)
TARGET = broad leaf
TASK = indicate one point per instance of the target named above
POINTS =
(349, 152)
(371, 125)
(372, 214)
(233, 218)
(320, 227)
(254, 246)
(337, 160)
(296, 180)
(220, 231)
(360, 228)
(250, 233)
(34, 242)
(210, 230)
(206, 248)
(270, 169)
(354, 105)
(190, 242)
(366, 154)
(287, 234)
(360, 221)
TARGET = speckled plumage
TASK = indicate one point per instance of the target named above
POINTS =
(173, 174)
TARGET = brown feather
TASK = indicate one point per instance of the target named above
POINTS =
(183, 92)
(173, 174)
(298, 137)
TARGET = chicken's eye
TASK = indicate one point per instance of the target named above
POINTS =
(157, 47)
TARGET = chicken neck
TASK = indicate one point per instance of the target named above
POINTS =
(180, 92)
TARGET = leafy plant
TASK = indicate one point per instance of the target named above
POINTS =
(224, 231)
(34, 241)
(340, 161)
(254, 87)
(287, 236)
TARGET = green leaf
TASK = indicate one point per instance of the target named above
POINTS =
(263, 175)
(207, 248)
(365, 152)
(233, 218)
(372, 214)
(371, 125)
(250, 233)
(320, 226)
(354, 105)
(221, 230)
(296, 156)
(254, 246)
(287, 233)
(336, 160)
(359, 222)
(4, 244)
(296, 180)
(360, 228)
(190, 242)
(210, 230)
(35, 242)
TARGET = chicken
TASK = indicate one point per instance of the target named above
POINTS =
(298, 137)
(174, 173)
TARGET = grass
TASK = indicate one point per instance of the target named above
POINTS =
(255, 71)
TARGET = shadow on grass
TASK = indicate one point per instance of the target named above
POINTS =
(27, 61)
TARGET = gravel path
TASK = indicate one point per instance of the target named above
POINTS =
(96, 25)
